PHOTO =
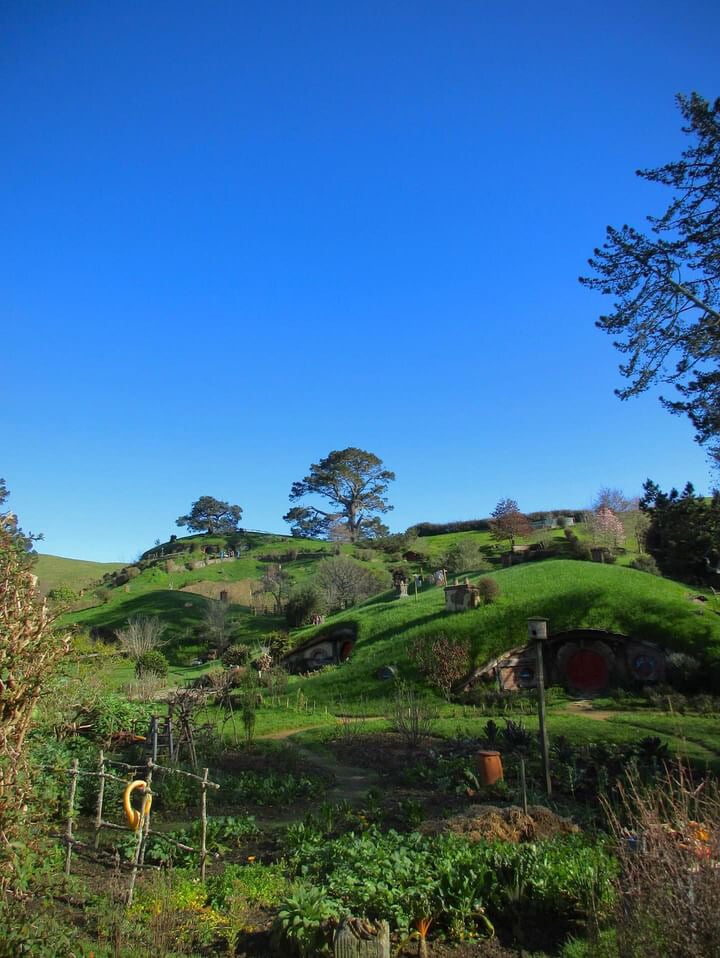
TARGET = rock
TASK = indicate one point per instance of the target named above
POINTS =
(387, 672)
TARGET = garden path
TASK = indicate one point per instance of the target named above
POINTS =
(585, 708)
(350, 782)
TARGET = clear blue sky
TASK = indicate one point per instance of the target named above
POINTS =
(237, 235)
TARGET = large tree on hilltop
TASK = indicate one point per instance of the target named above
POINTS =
(212, 516)
(666, 281)
(354, 483)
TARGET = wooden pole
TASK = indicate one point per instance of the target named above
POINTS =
(171, 746)
(154, 737)
(203, 824)
(544, 747)
(71, 813)
(100, 798)
(523, 785)
(145, 823)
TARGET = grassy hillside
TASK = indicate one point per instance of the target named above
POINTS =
(161, 588)
(570, 594)
(55, 571)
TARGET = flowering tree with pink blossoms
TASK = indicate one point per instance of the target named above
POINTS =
(606, 529)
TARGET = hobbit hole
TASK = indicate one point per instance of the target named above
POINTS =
(584, 661)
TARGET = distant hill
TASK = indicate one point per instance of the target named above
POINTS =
(54, 571)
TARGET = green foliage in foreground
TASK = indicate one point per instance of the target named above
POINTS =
(224, 833)
(570, 594)
(466, 888)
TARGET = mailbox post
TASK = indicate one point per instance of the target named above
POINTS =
(538, 633)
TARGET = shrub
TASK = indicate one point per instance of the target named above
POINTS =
(489, 589)
(235, 655)
(152, 662)
(278, 643)
(579, 550)
(412, 718)
(683, 671)
(667, 842)
(139, 636)
(303, 603)
(442, 662)
(63, 595)
(462, 556)
(645, 563)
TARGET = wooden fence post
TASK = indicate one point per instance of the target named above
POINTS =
(154, 737)
(100, 798)
(203, 824)
(71, 813)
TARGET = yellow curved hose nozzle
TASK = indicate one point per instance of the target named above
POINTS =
(132, 815)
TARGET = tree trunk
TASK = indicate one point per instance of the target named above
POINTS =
(349, 944)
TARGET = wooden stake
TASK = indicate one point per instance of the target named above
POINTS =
(171, 746)
(71, 813)
(154, 737)
(523, 786)
(100, 798)
(544, 747)
(203, 824)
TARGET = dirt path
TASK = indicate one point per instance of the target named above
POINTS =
(350, 783)
(585, 708)
(284, 733)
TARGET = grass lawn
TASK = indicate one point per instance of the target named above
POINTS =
(570, 594)
(55, 571)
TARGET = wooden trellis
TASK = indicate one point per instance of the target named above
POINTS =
(104, 773)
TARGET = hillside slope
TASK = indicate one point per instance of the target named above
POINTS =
(55, 571)
(570, 594)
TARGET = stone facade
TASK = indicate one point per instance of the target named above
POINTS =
(460, 598)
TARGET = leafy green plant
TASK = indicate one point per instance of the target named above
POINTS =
(274, 788)
(305, 920)
(254, 883)
(223, 835)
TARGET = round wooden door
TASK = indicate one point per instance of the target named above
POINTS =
(587, 671)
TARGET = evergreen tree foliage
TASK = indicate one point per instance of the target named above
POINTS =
(666, 281)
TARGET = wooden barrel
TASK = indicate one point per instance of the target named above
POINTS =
(489, 766)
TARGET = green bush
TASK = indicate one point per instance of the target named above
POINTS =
(152, 662)
(278, 643)
(489, 589)
(63, 595)
(463, 556)
(645, 563)
(304, 602)
(235, 655)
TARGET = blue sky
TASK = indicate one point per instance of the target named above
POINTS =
(239, 235)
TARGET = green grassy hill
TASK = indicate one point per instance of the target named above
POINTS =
(55, 571)
(159, 589)
(570, 594)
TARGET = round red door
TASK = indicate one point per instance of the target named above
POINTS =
(587, 671)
